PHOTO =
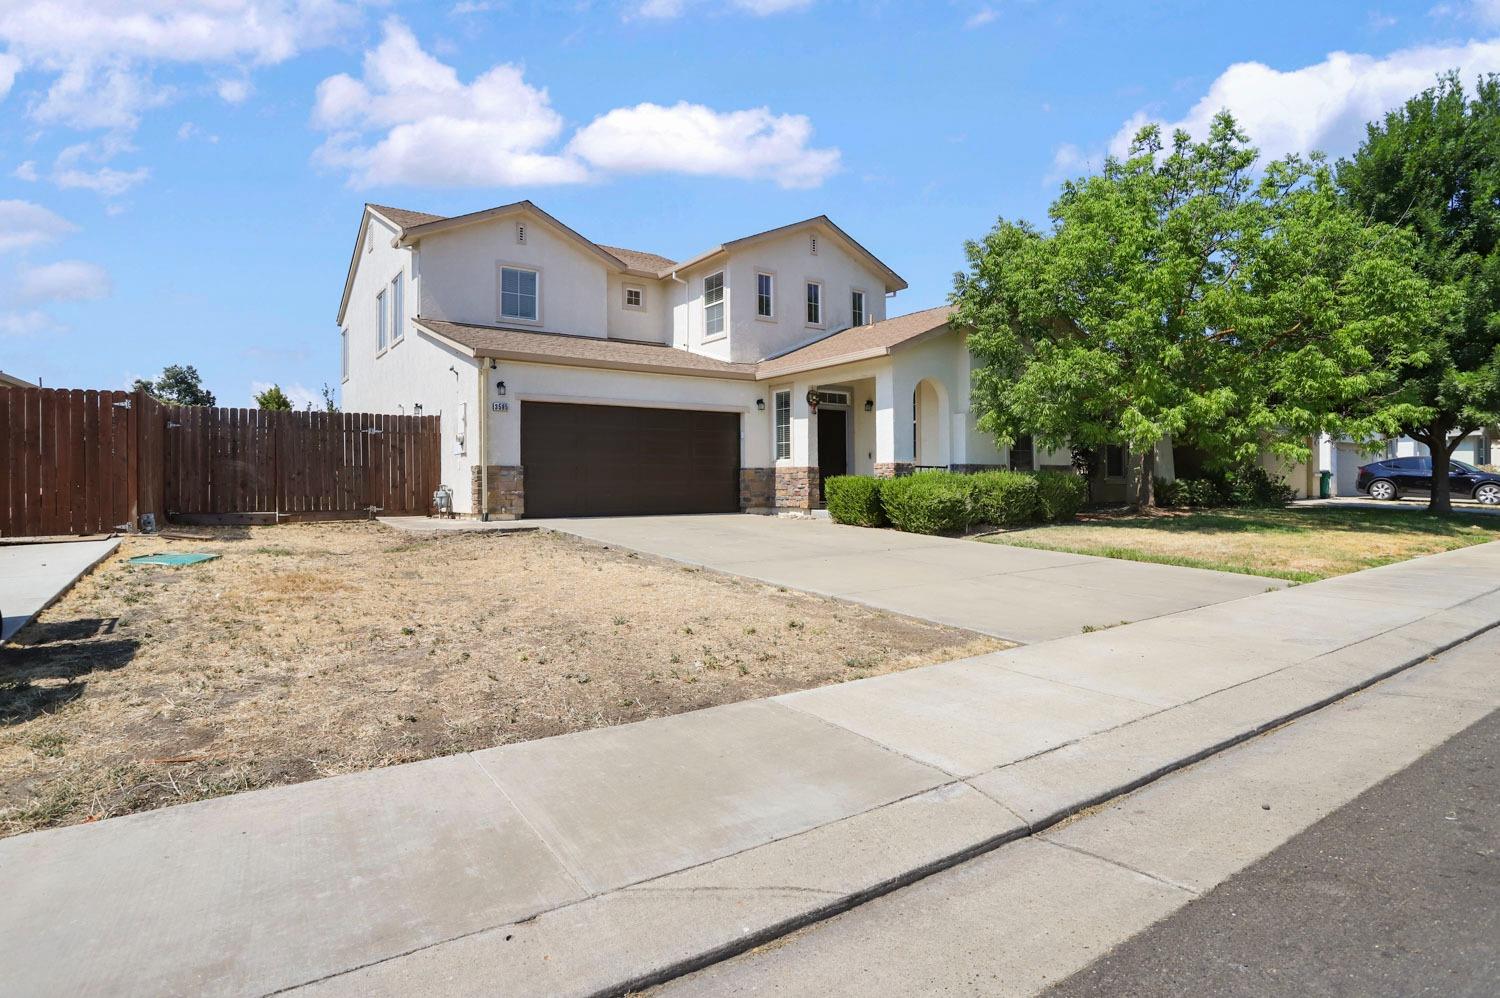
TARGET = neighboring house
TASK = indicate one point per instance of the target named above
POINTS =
(599, 380)
(11, 381)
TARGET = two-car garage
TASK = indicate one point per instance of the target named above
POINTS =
(608, 460)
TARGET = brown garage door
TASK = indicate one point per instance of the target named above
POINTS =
(608, 460)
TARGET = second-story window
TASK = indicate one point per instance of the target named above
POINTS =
(398, 308)
(713, 304)
(382, 320)
(857, 308)
(782, 404)
(814, 303)
(635, 297)
(765, 297)
(518, 294)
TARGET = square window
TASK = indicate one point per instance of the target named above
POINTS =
(814, 304)
(634, 297)
(518, 294)
(713, 304)
(765, 297)
(782, 404)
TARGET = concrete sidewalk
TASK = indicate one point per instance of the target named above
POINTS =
(33, 576)
(1015, 593)
(614, 858)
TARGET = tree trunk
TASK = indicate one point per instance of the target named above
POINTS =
(1441, 449)
(1145, 479)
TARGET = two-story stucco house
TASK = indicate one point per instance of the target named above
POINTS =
(574, 378)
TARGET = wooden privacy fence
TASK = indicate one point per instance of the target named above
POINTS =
(77, 462)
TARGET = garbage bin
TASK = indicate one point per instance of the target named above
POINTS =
(1325, 484)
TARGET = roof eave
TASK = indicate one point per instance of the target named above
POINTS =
(869, 353)
(407, 236)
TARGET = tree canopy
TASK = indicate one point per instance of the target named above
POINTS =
(1187, 292)
(1432, 169)
(179, 385)
(273, 398)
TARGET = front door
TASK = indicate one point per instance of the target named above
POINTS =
(833, 451)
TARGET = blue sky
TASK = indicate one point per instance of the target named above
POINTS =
(181, 183)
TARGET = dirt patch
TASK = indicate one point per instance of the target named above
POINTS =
(311, 650)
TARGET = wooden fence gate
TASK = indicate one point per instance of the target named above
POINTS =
(81, 462)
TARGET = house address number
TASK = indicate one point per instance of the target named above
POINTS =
(499, 407)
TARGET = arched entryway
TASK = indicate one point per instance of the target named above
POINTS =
(929, 424)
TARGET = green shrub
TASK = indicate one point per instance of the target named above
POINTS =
(854, 499)
(929, 502)
(1060, 495)
(1191, 493)
(1003, 498)
(1245, 487)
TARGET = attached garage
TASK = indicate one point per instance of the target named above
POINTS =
(608, 460)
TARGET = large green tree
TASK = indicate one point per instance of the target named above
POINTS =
(1432, 169)
(179, 384)
(1185, 292)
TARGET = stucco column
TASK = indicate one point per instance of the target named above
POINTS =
(804, 428)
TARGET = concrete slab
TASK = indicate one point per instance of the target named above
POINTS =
(967, 716)
(625, 804)
(260, 891)
(1253, 798)
(33, 576)
(1011, 592)
(635, 934)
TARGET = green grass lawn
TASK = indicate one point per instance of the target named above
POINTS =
(1299, 544)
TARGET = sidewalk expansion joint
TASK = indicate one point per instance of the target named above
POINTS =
(1123, 866)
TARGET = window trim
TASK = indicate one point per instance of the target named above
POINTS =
(777, 394)
(864, 307)
(398, 308)
(500, 267)
(382, 309)
(771, 296)
(723, 303)
(625, 290)
(822, 320)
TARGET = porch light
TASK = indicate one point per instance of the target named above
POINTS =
(760, 404)
(499, 388)
(869, 405)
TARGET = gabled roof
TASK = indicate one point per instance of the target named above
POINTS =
(859, 343)
(893, 280)
(647, 263)
(11, 381)
(401, 218)
(581, 351)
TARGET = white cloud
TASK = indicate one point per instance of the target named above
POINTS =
(65, 280)
(9, 67)
(1487, 11)
(26, 171)
(188, 131)
(1069, 161)
(981, 17)
(29, 323)
(1323, 106)
(696, 140)
(234, 91)
(668, 9)
(438, 131)
(409, 119)
(25, 224)
(100, 53)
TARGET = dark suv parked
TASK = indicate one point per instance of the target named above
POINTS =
(1412, 476)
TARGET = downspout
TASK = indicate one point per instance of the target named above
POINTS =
(484, 444)
(687, 325)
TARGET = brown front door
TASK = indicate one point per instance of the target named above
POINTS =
(611, 460)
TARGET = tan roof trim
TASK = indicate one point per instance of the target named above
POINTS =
(412, 233)
(893, 280)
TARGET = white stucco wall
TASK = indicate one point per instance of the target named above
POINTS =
(460, 276)
(582, 385)
(652, 323)
(413, 369)
(790, 260)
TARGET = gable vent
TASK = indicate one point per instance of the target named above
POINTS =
(521, 232)
(812, 244)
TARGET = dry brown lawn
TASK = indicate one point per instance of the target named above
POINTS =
(317, 649)
(1300, 544)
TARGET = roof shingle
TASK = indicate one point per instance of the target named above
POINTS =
(406, 218)
(639, 260)
(857, 343)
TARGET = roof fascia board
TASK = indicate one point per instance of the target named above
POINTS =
(416, 232)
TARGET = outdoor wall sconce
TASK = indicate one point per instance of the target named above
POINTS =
(493, 365)
(760, 404)
(499, 388)
(416, 409)
(869, 405)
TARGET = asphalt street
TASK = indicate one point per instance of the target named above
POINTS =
(1395, 893)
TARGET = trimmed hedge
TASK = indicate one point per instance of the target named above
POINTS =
(1060, 495)
(928, 502)
(854, 499)
(944, 502)
(1251, 487)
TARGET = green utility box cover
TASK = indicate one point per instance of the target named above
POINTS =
(171, 559)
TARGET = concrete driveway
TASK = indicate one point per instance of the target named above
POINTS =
(33, 576)
(1013, 593)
